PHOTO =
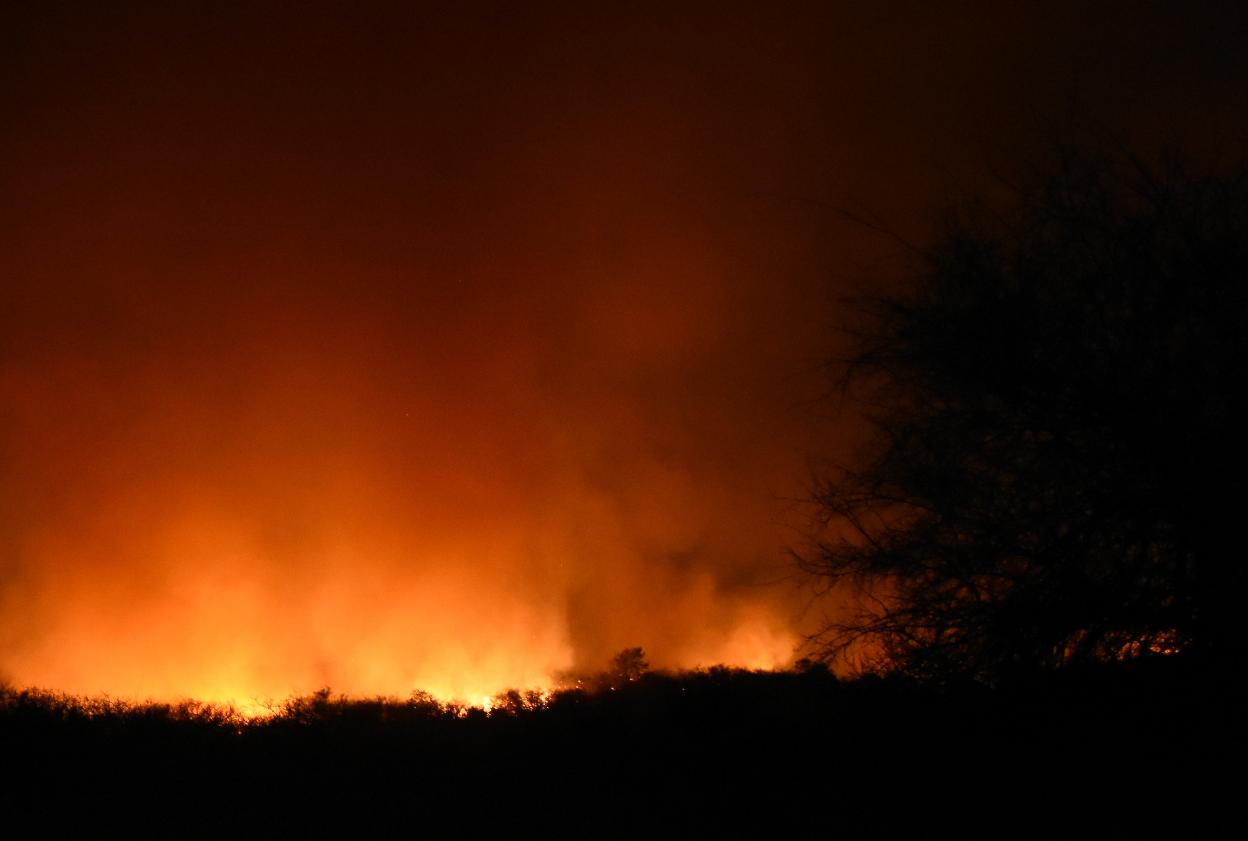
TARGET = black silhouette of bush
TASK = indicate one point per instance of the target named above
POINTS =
(722, 752)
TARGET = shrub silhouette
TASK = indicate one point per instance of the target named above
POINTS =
(629, 665)
(1059, 459)
(723, 752)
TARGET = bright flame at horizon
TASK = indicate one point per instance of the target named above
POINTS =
(225, 626)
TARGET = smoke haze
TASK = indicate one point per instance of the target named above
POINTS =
(384, 351)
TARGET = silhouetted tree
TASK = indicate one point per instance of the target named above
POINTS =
(1060, 459)
(629, 665)
(626, 666)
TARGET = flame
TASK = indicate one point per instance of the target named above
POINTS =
(208, 616)
(299, 392)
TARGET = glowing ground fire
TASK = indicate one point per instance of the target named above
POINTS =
(353, 367)
(205, 616)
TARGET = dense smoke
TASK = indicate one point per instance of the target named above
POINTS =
(384, 352)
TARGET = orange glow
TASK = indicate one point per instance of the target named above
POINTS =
(301, 510)
(1162, 644)
(398, 352)
(391, 348)
(201, 612)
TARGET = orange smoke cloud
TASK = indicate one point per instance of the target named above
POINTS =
(386, 351)
(372, 375)
(323, 499)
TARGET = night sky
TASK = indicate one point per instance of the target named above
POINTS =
(384, 348)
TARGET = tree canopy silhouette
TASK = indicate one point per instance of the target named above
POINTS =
(1059, 462)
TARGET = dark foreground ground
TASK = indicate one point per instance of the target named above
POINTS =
(1133, 751)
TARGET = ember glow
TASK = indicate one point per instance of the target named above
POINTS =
(382, 351)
